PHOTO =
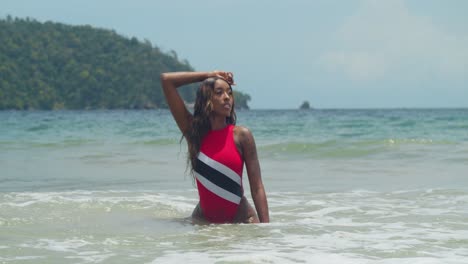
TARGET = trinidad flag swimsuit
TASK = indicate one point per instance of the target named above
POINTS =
(218, 174)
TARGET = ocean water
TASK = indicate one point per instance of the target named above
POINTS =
(343, 186)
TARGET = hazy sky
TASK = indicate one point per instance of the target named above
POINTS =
(335, 54)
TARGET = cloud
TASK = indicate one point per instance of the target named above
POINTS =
(384, 38)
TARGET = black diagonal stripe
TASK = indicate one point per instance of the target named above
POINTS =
(218, 178)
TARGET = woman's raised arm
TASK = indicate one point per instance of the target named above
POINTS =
(170, 82)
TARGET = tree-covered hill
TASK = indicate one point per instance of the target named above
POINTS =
(57, 66)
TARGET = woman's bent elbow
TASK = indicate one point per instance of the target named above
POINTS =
(163, 77)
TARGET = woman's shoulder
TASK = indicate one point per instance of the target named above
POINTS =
(243, 134)
(241, 130)
(245, 142)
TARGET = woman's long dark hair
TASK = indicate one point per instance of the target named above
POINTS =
(201, 125)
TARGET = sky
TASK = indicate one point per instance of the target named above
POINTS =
(331, 53)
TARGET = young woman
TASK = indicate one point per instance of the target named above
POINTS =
(217, 149)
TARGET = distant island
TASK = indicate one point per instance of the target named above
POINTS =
(51, 65)
(305, 105)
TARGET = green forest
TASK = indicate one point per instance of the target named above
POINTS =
(51, 66)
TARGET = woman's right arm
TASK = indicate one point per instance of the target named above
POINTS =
(170, 82)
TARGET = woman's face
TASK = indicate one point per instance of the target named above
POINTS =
(222, 98)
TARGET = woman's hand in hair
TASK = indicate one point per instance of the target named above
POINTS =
(227, 76)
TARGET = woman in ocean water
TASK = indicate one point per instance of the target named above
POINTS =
(217, 149)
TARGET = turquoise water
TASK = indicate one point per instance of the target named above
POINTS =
(344, 186)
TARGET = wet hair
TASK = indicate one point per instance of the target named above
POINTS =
(201, 124)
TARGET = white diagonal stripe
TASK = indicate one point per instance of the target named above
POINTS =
(218, 190)
(220, 167)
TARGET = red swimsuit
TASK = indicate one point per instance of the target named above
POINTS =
(219, 176)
